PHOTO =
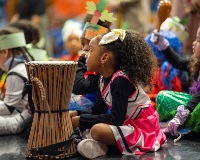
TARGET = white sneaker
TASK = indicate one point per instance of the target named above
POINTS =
(90, 148)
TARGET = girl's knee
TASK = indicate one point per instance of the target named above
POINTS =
(97, 131)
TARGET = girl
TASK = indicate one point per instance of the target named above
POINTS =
(14, 115)
(126, 64)
(191, 108)
(86, 83)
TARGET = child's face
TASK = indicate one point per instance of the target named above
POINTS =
(93, 61)
(73, 44)
(3, 59)
(85, 44)
(196, 45)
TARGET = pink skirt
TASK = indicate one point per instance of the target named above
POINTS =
(140, 135)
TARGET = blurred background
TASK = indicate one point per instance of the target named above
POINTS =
(51, 15)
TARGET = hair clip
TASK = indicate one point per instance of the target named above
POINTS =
(113, 36)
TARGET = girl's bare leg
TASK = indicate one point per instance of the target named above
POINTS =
(103, 133)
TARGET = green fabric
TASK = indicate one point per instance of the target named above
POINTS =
(193, 121)
(13, 40)
(167, 103)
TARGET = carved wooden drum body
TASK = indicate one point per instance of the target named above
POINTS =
(52, 83)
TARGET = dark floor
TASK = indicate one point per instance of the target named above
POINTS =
(13, 147)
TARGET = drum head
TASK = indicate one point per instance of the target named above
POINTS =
(51, 62)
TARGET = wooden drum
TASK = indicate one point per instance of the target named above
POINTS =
(52, 83)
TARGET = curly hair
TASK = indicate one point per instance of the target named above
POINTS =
(134, 57)
(194, 65)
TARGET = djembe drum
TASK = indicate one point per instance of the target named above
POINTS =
(52, 83)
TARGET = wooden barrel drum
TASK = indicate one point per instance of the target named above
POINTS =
(52, 83)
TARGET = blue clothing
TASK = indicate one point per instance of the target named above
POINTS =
(18, 59)
(2, 13)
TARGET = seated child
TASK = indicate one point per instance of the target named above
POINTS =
(86, 83)
(14, 115)
(188, 109)
(71, 33)
(126, 63)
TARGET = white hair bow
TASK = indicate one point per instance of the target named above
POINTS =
(113, 36)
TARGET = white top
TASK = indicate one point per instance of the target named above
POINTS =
(14, 89)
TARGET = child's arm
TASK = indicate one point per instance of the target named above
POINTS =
(193, 102)
(121, 89)
(175, 60)
(81, 84)
(164, 46)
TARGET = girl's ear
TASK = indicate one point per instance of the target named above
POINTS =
(5, 53)
(104, 58)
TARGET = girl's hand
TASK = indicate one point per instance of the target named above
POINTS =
(73, 113)
(84, 53)
(75, 121)
(161, 42)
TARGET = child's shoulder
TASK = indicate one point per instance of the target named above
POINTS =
(121, 79)
(19, 69)
(119, 74)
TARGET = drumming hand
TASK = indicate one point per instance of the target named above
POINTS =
(73, 113)
(75, 121)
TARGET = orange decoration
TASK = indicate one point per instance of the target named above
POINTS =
(3, 87)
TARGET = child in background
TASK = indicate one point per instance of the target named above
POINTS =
(31, 33)
(14, 115)
(32, 36)
(190, 111)
(87, 82)
(177, 26)
(166, 76)
(126, 63)
(84, 79)
(71, 33)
